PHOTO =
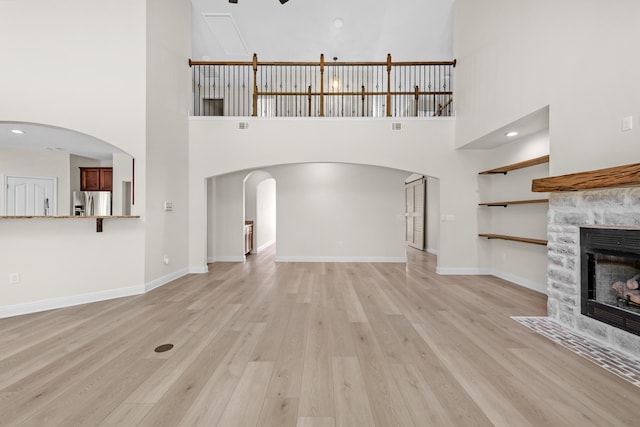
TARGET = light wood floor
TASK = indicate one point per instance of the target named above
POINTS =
(306, 344)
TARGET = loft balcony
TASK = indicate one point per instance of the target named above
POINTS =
(322, 89)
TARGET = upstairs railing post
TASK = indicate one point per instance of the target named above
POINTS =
(388, 85)
(255, 85)
(363, 96)
(417, 97)
(309, 100)
(321, 113)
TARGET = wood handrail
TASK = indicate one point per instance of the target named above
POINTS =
(317, 64)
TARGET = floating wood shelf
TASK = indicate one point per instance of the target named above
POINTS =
(619, 176)
(514, 202)
(520, 165)
(515, 239)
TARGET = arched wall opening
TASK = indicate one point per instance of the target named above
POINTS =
(259, 211)
(324, 212)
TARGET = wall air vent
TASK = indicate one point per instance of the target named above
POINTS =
(396, 126)
(243, 125)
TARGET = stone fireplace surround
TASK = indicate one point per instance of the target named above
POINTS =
(568, 211)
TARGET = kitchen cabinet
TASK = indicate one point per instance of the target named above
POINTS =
(96, 179)
(248, 237)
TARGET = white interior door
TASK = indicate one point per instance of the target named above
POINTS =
(415, 213)
(31, 196)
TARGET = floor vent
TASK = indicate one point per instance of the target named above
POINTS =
(162, 348)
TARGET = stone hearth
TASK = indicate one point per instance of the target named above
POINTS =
(568, 211)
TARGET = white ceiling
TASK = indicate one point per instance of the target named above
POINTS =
(300, 30)
(40, 137)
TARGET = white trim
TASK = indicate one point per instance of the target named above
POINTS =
(432, 251)
(62, 302)
(516, 280)
(199, 270)
(341, 259)
(462, 271)
(263, 247)
(160, 281)
(227, 259)
(520, 281)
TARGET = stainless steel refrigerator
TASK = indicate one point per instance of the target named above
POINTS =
(92, 203)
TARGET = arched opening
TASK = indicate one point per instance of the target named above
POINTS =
(259, 213)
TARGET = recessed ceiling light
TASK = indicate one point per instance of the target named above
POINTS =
(338, 23)
(510, 134)
(18, 131)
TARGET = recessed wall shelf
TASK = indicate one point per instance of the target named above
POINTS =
(514, 239)
(525, 164)
(503, 170)
(514, 202)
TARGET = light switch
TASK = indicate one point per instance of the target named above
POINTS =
(168, 206)
(627, 123)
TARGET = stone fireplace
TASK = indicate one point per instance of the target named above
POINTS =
(597, 209)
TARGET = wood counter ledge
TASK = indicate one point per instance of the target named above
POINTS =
(618, 176)
(98, 219)
(66, 216)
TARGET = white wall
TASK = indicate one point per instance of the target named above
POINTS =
(516, 57)
(218, 147)
(36, 163)
(344, 212)
(260, 207)
(433, 214)
(229, 217)
(324, 211)
(168, 94)
(265, 233)
(210, 231)
(56, 54)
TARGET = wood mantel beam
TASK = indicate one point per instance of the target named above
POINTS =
(618, 176)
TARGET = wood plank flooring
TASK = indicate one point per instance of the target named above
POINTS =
(305, 344)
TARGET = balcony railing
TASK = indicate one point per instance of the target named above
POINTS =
(322, 89)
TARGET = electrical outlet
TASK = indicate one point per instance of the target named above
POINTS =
(14, 278)
(165, 260)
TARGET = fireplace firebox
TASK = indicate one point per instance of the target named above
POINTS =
(610, 276)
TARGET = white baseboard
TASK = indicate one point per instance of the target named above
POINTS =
(432, 251)
(341, 259)
(156, 283)
(53, 303)
(199, 270)
(263, 247)
(68, 301)
(520, 281)
(226, 259)
(461, 271)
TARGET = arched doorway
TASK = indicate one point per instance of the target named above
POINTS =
(259, 213)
